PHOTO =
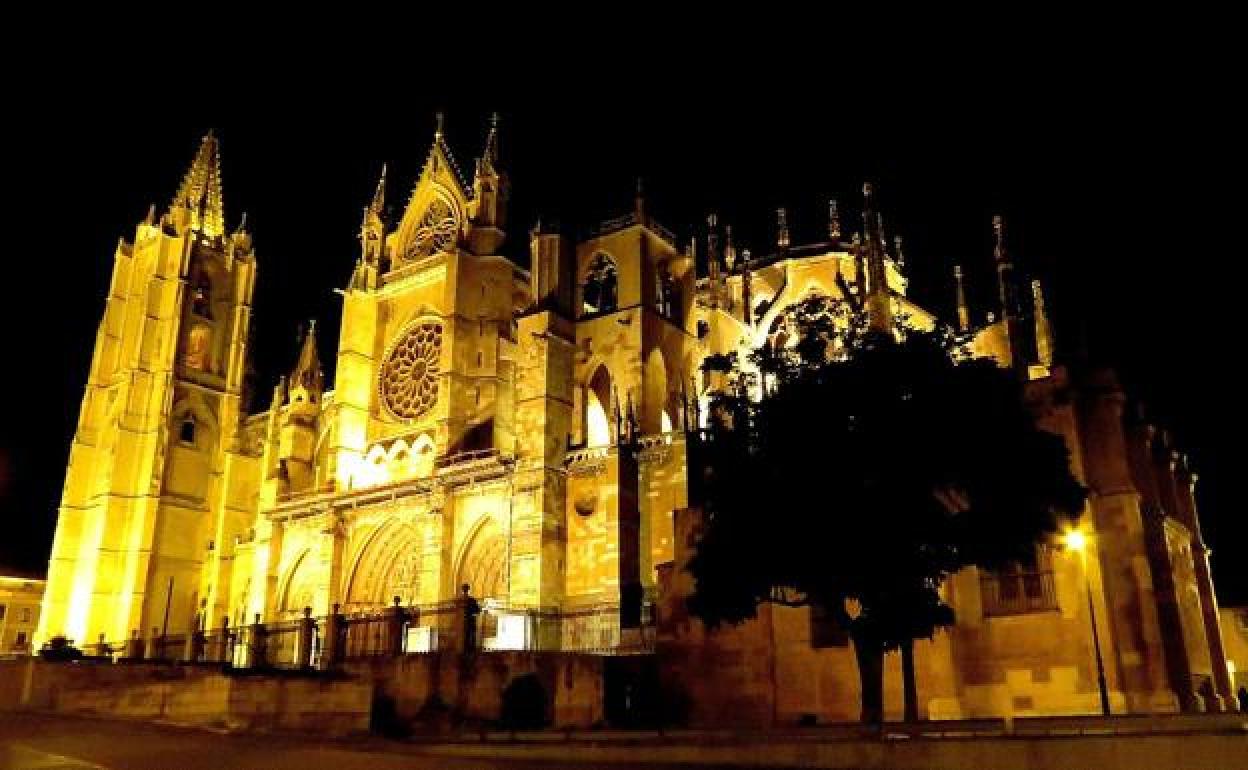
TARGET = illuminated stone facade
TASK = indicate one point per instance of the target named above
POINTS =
(521, 432)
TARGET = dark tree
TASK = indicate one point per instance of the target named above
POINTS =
(857, 472)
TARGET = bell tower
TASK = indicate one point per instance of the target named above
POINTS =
(144, 489)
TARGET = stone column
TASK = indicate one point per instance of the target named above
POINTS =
(1140, 442)
(1192, 639)
(1185, 489)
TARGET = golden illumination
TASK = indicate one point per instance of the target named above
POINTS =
(1075, 540)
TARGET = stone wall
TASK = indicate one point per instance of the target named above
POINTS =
(440, 689)
(189, 695)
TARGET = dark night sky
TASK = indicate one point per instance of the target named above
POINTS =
(1118, 179)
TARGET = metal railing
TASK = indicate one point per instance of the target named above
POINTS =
(1018, 592)
(460, 625)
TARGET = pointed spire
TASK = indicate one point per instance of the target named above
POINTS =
(490, 154)
(898, 254)
(834, 222)
(1005, 270)
(639, 204)
(199, 194)
(1044, 333)
(439, 119)
(1017, 338)
(379, 196)
(879, 303)
(307, 373)
(712, 256)
(964, 312)
(998, 231)
(373, 228)
(730, 249)
(782, 229)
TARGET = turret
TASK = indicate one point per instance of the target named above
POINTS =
(879, 304)
(964, 312)
(782, 230)
(489, 196)
(834, 222)
(372, 240)
(300, 422)
(1018, 337)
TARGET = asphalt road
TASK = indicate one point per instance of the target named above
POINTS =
(42, 742)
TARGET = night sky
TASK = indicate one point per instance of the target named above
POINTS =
(1113, 179)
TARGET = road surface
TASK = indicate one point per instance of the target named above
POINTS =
(45, 742)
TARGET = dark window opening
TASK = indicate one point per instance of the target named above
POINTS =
(186, 433)
(601, 286)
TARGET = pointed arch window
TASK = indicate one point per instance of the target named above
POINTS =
(601, 285)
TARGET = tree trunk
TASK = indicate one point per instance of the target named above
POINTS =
(871, 675)
(909, 683)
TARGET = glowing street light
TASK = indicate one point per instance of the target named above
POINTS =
(1077, 541)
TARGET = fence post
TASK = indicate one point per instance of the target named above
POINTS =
(307, 633)
(134, 647)
(331, 642)
(257, 644)
(155, 648)
(194, 646)
(397, 619)
(223, 655)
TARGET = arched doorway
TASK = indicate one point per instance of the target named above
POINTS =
(388, 566)
(483, 567)
(300, 589)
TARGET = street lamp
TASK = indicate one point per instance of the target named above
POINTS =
(1077, 541)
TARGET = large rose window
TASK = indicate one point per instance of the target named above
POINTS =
(409, 376)
(435, 233)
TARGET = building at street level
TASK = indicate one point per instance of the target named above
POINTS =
(521, 433)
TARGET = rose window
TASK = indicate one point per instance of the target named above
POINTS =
(435, 233)
(409, 376)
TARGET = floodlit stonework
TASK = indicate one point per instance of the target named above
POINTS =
(20, 598)
(522, 432)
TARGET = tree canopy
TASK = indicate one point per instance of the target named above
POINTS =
(858, 471)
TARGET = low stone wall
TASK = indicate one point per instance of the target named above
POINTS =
(189, 695)
(470, 688)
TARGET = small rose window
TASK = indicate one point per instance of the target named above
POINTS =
(409, 376)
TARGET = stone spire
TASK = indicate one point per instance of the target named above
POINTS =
(730, 248)
(1044, 333)
(489, 192)
(834, 222)
(964, 312)
(879, 303)
(712, 258)
(378, 206)
(782, 230)
(489, 155)
(1007, 295)
(307, 375)
(372, 238)
(199, 198)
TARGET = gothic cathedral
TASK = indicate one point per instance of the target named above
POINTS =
(518, 435)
